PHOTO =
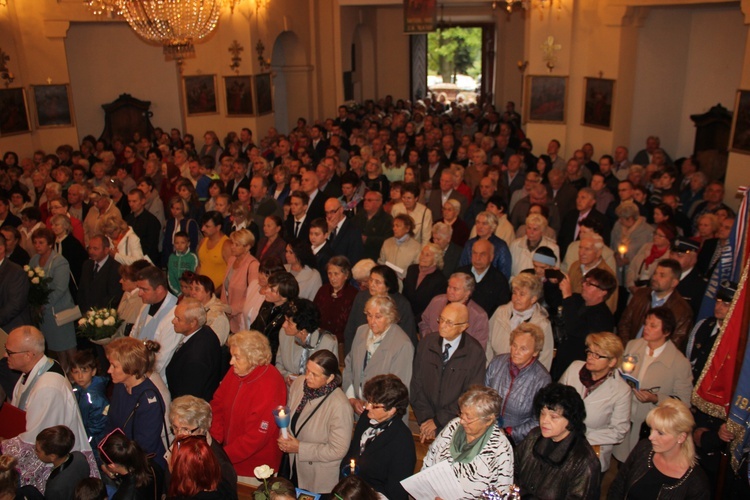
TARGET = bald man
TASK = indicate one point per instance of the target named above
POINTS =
(46, 396)
(447, 363)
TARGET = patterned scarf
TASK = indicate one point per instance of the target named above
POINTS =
(375, 429)
(587, 379)
(310, 394)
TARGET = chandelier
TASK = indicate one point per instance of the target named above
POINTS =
(523, 5)
(175, 24)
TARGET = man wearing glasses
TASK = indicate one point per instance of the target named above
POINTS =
(46, 396)
(447, 363)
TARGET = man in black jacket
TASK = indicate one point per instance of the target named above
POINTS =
(195, 367)
(492, 288)
(14, 290)
(144, 224)
(100, 277)
(374, 223)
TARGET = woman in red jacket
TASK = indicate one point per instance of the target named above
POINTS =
(243, 403)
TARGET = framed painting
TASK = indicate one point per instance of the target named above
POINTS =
(14, 112)
(239, 95)
(740, 135)
(263, 93)
(200, 95)
(546, 98)
(598, 98)
(53, 105)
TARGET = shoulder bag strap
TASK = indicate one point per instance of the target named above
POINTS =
(298, 430)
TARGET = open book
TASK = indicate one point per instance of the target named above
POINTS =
(633, 382)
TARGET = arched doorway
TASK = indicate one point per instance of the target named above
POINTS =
(292, 87)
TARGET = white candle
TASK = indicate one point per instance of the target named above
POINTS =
(622, 249)
(352, 465)
(628, 366)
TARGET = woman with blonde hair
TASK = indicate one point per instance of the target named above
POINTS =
(605, 394)
(242, 270)
(125, 245)
(242, 405)
(665, 464)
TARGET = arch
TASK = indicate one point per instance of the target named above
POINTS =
(291, 81)
(363, 77)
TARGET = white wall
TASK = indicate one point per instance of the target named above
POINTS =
(688, 59)
(101, 70)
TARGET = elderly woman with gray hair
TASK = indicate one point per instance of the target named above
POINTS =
(191, 416)
(522, 249)
(425, 280)
(474, 445)
(125, 245)
(69, 247)
(523, 308)
(243, 403)
(517, 376)
(630, 232)
(380, 346)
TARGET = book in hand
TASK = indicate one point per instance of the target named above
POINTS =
(633, 382)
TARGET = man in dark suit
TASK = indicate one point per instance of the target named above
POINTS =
(513, 178)
(492, 288)
(570, 227)
(263, 205)
(318, 142)
(239, 169)
(693, 284)
(438, 197)
(344, 237)
(14, 291)
(6, 217)
(375, 224)
(316, 204)
(195, 367)
(320, 246)
(100, 277)
(297, 224)
(144, 224)
(430, 174)
(328, 182)
(562, 193)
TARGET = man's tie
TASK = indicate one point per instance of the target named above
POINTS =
(296, 229)
(333, 234)
(446, 353)
(96, 267)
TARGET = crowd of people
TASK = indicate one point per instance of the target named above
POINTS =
(403, 272)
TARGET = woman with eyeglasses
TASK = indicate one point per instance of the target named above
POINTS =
(517, 376)
(128, 472)
(383, 282)
(661, 369)
(321, 424)
(191, 416)
(605, 394)
(382, 449)
(474, 445)
(380, 346)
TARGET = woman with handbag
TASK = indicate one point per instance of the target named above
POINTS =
(59, 333)
(137, 406)
(321, 425)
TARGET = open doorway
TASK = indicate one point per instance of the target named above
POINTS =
(455, 64)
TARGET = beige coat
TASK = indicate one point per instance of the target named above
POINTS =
(670, 372)
(290, 352)
(324, 440)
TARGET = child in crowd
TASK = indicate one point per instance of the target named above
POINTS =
(180, 261)
(53, 446)
(90, 392)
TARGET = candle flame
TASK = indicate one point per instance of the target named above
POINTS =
(281, 413)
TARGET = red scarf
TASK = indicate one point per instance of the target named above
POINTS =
(654, 254)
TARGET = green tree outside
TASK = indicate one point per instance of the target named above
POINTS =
(454, 51)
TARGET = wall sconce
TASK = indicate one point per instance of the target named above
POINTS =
(235, 49)
(5, 74)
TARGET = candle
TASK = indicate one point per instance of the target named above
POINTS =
(352, 465)
(281, 415)
(622, 250)
(628, 366)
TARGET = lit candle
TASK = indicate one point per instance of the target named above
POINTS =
(281, 415)
(352, 465)
(628, 366)
(622, 250)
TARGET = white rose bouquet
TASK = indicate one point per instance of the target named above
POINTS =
(264, 473)
(99, 324)
(39, 292)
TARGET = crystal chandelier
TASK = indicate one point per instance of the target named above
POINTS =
(175, 24)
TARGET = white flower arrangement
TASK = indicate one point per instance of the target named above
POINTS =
(99, 323)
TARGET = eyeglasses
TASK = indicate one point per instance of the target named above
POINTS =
(450, 324)
(653, 390)
(596, 355)
(100, 447)
(374, 406)
(186, 439)
(11, 353)
(331, 212)
(180, 431)
(594, 284)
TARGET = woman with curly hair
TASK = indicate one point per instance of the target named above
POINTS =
(555, 460)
